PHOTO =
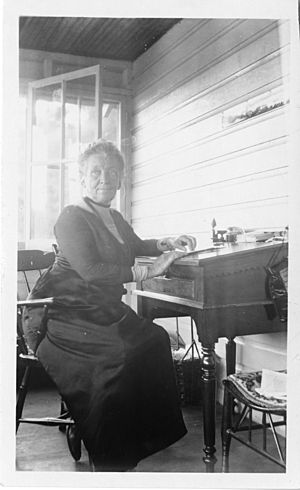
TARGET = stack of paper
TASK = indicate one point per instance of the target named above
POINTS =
(273, 384)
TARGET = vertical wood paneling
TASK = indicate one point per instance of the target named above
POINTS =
(187, 167)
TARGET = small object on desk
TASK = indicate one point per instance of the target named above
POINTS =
(275, 239)
(232, 233)
(260, 236)
(230, 237)
(214, 233)
(219, 235)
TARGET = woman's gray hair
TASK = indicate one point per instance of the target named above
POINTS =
(101, 147)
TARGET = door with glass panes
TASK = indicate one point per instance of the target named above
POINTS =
(67, 112)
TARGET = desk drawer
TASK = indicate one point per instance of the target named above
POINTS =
(182, 288)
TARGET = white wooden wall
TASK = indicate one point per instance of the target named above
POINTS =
(188, 165)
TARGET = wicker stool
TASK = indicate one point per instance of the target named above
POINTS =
(241, 388)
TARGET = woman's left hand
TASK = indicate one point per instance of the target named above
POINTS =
(183, 242)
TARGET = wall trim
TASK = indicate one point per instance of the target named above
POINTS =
(40, 55)
(107, 91)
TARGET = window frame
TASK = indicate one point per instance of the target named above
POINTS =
(102, 95)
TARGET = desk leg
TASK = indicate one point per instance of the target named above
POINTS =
(209, 404)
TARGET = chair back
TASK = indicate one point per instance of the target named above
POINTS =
(31, 264)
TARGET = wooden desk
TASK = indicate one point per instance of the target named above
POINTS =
(223, 291)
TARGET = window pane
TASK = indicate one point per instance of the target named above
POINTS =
(46, 123)
(44, 200)
(71, 129)
(111, 122)
(80, 115)
(88, 128)
(72, 187)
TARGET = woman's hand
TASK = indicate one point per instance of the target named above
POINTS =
(183, 242)
(163, 262)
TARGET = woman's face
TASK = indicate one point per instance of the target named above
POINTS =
(102, 178)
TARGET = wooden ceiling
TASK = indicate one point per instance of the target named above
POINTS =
(113, 38)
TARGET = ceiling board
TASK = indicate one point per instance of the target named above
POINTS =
(112, 38)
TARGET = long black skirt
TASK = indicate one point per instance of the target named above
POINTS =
(117, 381)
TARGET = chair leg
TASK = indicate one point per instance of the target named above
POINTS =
(264, 431)
(22, 395)
(226, 424)
(275, 437)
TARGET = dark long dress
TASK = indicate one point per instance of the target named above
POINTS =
(113, 368)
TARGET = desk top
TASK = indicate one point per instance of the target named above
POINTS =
(222, 288)
(209, 254)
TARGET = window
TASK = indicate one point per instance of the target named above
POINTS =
(64, 119)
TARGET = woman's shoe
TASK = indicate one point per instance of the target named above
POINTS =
(74, 442)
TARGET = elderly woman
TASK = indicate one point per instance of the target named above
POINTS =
(113, 369)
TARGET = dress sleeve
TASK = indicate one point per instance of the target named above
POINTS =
(77, 244)
(146, 247)
(140, 247)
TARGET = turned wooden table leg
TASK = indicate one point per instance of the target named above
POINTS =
(209, 404)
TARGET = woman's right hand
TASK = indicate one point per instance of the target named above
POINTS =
(163, 262)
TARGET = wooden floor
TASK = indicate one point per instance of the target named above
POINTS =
(45, 448)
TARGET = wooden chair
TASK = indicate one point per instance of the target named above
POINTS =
(31, 263)
(241, 388)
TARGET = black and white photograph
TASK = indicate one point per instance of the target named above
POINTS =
(149, 245)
